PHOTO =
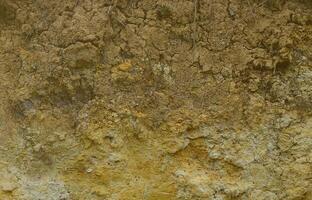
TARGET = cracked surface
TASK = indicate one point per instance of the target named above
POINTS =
(143, 99)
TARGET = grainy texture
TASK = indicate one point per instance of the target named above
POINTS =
(145, 99)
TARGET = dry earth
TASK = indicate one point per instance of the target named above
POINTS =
(156, 100)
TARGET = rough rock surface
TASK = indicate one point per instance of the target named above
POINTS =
(166, 99)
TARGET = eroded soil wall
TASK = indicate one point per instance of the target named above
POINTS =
(163, 100)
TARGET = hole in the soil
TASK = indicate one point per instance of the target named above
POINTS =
(20, 108)
(7, 13)
(275, 46)
(163, 12)
(81, 63)
(282, 65)
(60, 98)
(309, 22)
(126, 54)
(84, 94)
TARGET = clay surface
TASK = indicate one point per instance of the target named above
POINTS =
(156, 100)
